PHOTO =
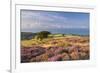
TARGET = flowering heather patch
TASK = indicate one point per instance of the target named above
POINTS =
(56, 49)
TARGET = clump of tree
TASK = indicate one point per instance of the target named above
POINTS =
(43, 34)
(63, 35)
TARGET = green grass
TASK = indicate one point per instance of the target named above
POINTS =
(55, 40)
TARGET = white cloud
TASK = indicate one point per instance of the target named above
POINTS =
(47, 20)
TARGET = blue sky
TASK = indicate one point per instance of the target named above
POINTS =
(35, 21)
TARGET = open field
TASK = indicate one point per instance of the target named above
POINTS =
(56, 48)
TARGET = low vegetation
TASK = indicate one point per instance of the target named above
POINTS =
(45, 46)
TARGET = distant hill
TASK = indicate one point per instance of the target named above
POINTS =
(27, 35)
(30, 35)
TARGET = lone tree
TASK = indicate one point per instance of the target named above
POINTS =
(43, 34)
(63, 35)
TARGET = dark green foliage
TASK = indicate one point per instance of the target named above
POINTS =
(43, 34)
(30, 35)
(63, 35)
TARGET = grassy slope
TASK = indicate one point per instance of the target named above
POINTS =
(57, 40)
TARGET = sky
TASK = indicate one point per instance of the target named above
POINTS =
(35, 20)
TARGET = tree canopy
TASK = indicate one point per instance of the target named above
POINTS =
(43, 34)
